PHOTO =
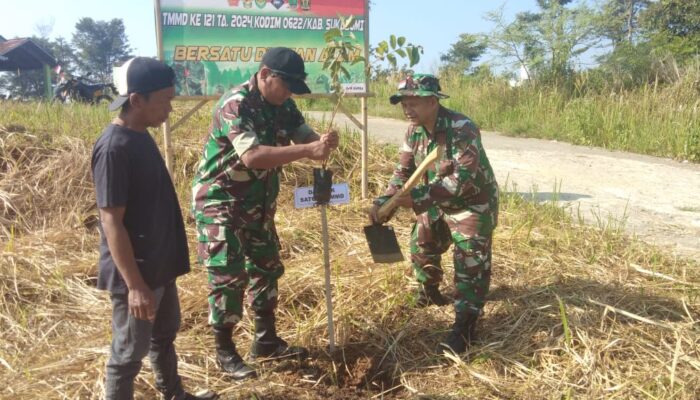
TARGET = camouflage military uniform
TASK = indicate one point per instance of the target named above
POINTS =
(456, 203)
(234, 206)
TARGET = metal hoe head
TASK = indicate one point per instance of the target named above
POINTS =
(383, 244)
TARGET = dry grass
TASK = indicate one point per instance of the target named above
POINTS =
(575, 311)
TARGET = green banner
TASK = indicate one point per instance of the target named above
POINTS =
(214, 45)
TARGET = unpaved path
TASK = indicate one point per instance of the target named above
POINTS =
(656, 198)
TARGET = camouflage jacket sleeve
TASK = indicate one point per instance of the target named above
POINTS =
(238, 128)
(402, 172)
(300, 131)
(456, 176)
(303, 134)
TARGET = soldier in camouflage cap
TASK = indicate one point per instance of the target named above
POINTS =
(456, 203)
(256, 129)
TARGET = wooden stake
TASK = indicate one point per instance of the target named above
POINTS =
(327, 270)
(365, 148)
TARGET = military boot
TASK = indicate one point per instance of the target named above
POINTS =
(430, 295)
(463, 333)
(270, 346)
(228, 358)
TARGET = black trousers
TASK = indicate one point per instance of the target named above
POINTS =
(133, 338)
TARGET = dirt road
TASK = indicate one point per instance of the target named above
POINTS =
(658, 199)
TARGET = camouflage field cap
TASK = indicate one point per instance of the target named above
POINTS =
(418, 85)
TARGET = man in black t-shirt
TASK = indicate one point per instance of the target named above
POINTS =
(143, 245)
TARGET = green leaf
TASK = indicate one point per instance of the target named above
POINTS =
(564, 322)
(401, 52)
(393, 41)
(392, 59)
(357, 60)
(383, 47)
(401, 40)
(331, 35)
(413, 56)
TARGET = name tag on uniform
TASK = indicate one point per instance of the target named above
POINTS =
(304, 196)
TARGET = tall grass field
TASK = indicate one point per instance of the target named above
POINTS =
(656, 120)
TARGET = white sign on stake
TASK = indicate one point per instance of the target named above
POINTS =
(304, 196)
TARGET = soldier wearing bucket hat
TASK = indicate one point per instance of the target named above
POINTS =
(420, 85)
(457, 204)
(256, 130)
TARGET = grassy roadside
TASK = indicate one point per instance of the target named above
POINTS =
(575, 311)
(659, 121)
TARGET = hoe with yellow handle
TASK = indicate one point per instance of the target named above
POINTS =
(382, 238)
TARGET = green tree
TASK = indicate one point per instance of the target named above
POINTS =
(618, 20)
(99, 45)
(465, 52)
(546, 41)
(64, 54)
(628, 65)
(674, 26)
(513, 41)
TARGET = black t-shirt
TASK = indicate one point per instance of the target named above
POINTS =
(128, 171)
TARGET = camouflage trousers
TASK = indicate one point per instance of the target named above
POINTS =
(431, 238)
(239, 260)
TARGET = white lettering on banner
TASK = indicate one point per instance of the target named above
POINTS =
(304, 196)
(255, 21)
(241, 21)
(331, 23)
(222, 20)
(174, 19)
(196, 19)
(267, 22)
(208, 19)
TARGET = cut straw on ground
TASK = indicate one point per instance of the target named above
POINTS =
(631, 334)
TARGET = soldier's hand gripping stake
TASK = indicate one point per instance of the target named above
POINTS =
(382, 238)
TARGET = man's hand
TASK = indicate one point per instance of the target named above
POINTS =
(374, 215)
(332, 139)
(405, 200)
(142, 303)
(319, 150)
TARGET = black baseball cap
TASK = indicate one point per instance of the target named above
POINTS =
(289, 65)
(140, 75)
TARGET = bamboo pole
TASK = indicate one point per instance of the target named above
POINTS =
(363, 103)
(167, 145)
(327, 273)
(365, 148)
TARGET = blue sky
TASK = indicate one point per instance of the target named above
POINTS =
(434, 24)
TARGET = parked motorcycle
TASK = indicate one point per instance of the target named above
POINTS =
(70, 89)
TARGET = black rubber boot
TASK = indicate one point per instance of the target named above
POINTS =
(228, 358)
(430, 295)
(270, 346)
(463, 333)
(208, 395)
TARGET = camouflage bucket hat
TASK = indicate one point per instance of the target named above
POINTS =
(418, 85)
